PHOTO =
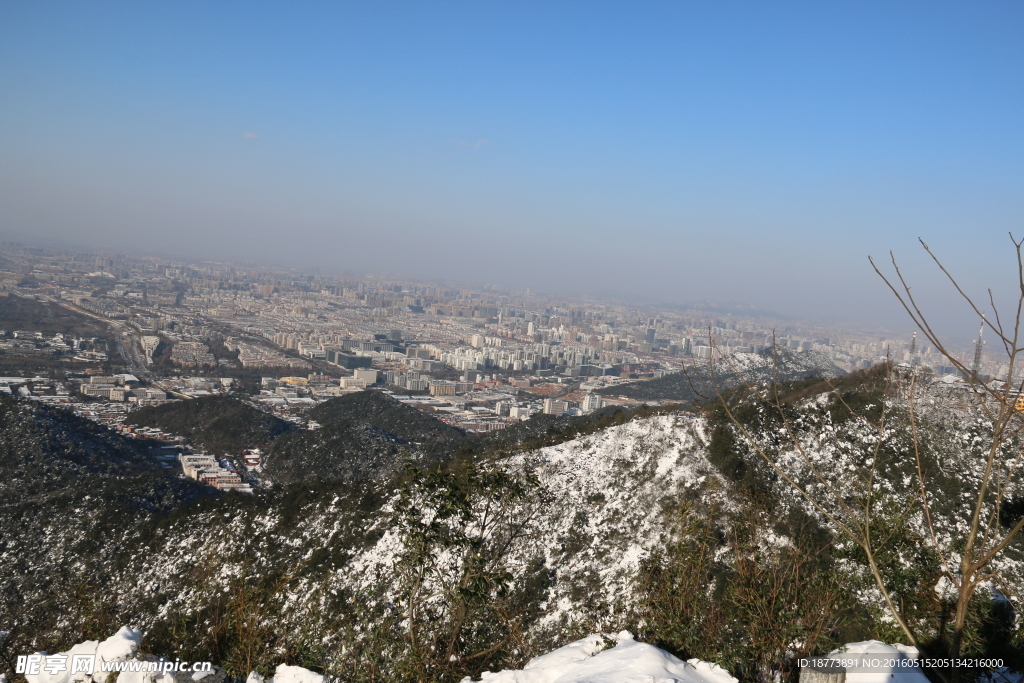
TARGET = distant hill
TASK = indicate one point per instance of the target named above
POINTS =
(698, 382)
(357, 443)
(549, 430)
(385, 413)
(47, 453)
(366, 435)
(344, 450)
(220, 424)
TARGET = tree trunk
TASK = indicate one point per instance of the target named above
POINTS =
(963, 599)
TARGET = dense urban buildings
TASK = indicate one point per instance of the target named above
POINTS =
(478, 359)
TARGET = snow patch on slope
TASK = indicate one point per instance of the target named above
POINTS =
(609, 492)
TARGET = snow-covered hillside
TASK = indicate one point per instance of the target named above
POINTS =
(493, 560)
(602, 509)
(609, 493)
(604, 498)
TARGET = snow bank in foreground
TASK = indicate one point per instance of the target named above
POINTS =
(586, 661)
(864, 663)
(119, 647)
(288, 674)
(123, 646)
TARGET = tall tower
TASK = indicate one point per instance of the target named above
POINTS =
(976, 365)
(913, 348)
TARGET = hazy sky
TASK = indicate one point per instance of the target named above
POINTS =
(754, 151)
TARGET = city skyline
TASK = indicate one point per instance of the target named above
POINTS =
(961, 337)
(117, 281)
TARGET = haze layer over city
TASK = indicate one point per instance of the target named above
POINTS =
(663, 153)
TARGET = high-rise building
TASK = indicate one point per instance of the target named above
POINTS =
(346, 361)
(365, 374)
(554, 407)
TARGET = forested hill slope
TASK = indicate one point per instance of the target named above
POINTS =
(46, 450)
(70, 491)
(386, 414)
(698, 381)
(370, 434)
(340, 450)
(220, 424)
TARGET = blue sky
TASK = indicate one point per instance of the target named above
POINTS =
(673, 150)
